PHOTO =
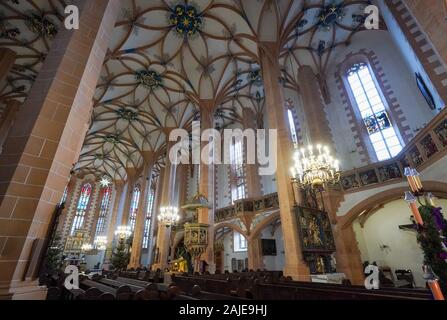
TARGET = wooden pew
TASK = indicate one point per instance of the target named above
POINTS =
(74, 294)
(294, 290)
(285, 292)
(197, 292)
(210, 285)
(117, 284)
(54, 293)
(121, 293)
(410, 293)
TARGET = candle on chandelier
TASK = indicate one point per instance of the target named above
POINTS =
(417, 179)
(411, 200)
(409, 174)
(431, 199)
(436, 290)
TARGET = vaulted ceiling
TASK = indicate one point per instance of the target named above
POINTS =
(167, 56)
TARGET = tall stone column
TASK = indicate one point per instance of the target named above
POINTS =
(255, 255)
(253, 179)
(7, 120)
(348, 258)
(135, 257)
(277, 119)
(313, 107)
(7, 60)
(347, 255)
(183, 184)
(206, 184)
(154, 226)
(164, 233)
(45, 141)
(319, 133)
(119, 195)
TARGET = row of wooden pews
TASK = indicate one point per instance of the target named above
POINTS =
(196, 293)
(270, 286)
(139, 274)
(101, 288)
(259, 285)
(119, 287)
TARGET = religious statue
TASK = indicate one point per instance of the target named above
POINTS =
(314, 233)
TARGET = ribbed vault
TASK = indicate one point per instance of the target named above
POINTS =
(166, 57)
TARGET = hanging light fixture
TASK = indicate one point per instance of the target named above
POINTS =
(100, 243)
(123, 231)
(86, 247)
(168, 216)
(315, 167)
(105, 181)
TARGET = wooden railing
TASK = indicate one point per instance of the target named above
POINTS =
(257, 205)
(429, 145)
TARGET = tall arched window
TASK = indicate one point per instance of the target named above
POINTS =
(238, 174)
(239, 242)
(134, 206)
(81, 208)
(147, 224)
(103, 211)
(382, 133)
(292, 127)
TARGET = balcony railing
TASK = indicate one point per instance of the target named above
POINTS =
(256, 205)
(429, 145)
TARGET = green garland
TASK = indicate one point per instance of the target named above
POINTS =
(430, 240)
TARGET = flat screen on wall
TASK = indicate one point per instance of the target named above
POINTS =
(425, 91)
(268, 247)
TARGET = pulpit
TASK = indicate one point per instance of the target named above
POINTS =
(196, 241)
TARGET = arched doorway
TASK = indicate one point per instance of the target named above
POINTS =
(382, 228)
(230, 248)
(267, 245)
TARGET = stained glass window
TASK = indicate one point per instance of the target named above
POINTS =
(134, 206)
(148, 222)
(240, 242)
(64, 195)
(236, 158)
(81, 208)
(375, 117)
(103, 211)
(292, 127)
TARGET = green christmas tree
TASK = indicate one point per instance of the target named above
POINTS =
(121, 256)
(53, 258)
(431, 242)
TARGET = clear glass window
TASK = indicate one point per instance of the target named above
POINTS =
(381, 131)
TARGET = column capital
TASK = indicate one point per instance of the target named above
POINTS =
(207, 105)
(7, 60)
(132, 173)
(149, 157)
(270, 49)
(119, 183)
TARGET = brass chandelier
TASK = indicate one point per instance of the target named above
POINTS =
(169, 216)
(315, 167)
